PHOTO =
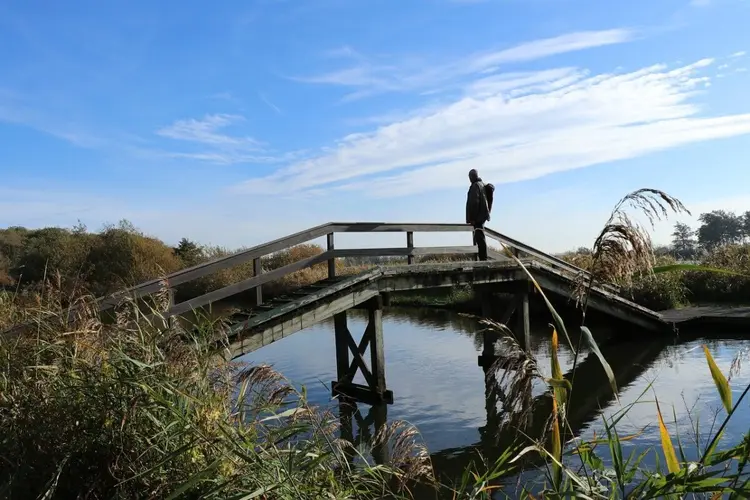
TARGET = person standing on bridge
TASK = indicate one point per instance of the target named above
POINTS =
(478, 206)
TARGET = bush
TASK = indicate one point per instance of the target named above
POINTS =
(717, 287)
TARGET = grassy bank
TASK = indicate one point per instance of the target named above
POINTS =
(685, 287)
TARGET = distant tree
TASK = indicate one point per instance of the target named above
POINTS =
(683, 240)
(746, 224)
(720, 227)
(189, 252)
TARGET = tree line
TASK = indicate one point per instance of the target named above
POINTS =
(717, 229)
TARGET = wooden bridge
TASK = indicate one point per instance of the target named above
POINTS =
(269, 320)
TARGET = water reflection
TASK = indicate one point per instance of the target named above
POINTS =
(459, 408)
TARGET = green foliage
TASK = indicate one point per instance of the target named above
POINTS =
(132, 410)
(720, 227)
(658, 291)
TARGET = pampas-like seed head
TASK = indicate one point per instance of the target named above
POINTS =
(623, 247)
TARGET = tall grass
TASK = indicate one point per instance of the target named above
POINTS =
(138, 410)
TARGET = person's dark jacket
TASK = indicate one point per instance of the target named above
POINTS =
(477, 212)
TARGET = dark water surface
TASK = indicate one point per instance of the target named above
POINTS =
(431, 367)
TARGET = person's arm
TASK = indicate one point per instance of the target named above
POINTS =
(472, 204)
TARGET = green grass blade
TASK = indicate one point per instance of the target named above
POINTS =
(722, 385)
(666, 442)
(595, 348)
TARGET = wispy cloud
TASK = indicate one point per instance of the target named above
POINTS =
(205, 131)
(268, 103)
(519, 127)
(214, 145)
(371, 75)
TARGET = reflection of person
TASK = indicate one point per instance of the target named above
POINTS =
(477, 212)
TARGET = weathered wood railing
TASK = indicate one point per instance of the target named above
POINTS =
(255, 254)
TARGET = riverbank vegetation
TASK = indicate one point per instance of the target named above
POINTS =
(721, 242)
(139, 409)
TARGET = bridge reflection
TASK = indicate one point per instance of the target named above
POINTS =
(591, 395)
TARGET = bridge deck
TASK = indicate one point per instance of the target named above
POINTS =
(286, 315)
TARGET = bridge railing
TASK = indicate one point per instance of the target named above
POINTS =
(259, 278)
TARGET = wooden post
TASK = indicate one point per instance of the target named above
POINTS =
(341, 332)
(171, 319)
(410, 244)
(524, 327)
(257, 271)
(377, 353)
(332, 260)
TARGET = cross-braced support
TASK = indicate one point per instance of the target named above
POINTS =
(346, 369)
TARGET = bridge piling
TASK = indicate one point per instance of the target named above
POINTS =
(375, 390)
(523, 328)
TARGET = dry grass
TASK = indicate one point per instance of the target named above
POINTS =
(132, 410)
(623, 248)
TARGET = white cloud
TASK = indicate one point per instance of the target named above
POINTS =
(211, 145)
(517, 128)
(370, 77)
(205, 131)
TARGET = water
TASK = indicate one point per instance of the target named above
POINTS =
(431, 367)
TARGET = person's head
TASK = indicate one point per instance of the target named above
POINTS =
(473, 175)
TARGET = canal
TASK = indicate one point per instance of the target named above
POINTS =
(431, 367)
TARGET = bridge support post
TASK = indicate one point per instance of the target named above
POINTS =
(523, 328)
(257, 271)
(518, 306)
(375, 389)
(331, 262)
(410, 245)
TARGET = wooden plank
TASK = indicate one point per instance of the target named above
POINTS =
(381, 227)
(386, 252)
(424, 276)
(366, 277)
(245, 342)
(247, 284)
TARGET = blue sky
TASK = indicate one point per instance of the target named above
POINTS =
(239, 121)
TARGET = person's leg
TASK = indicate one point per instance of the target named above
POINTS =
(481, 242)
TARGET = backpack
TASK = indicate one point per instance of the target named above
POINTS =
(489, 192)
